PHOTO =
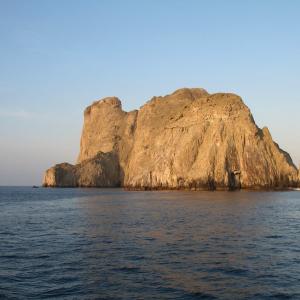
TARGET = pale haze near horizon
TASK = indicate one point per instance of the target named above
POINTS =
(59, 56)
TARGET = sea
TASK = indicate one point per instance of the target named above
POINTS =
(116, 244)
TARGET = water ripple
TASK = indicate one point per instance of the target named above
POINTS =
(113, 244)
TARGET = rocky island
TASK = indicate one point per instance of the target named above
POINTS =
(189, 139)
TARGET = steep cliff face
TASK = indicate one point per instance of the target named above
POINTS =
(107, 128)
(189, 139)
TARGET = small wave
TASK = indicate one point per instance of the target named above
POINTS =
(62, 292)
(201, 295)
(283, 296)
(137, 257)
(9, 233)
(128, 269)
(13, 256)
(107, 242)
(278, 296)
(265, 276)
(230, 271)
(149, 238)
(274, 236)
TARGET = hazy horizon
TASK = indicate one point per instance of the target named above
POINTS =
(57, 57)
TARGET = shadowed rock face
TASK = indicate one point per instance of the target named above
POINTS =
(101, 170)
(189, 139)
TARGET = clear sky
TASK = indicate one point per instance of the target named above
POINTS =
(58, 56)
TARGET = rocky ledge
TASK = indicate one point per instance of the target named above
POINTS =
(187, 140)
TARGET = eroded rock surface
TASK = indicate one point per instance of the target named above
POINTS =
(189, 139)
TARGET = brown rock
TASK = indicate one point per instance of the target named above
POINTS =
(189, 139)
(61, 175)
(101, 170)
(107, 128)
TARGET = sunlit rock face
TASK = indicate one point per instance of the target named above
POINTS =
(187, 140)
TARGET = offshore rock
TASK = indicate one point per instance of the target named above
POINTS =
(187, 140)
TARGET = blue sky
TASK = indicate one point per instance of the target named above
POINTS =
(56, 57)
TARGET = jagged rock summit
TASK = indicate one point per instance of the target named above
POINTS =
(187, 140)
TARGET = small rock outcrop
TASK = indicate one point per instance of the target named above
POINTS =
(187, 140)
(100, 171)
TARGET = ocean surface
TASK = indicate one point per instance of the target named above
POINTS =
(114, 244)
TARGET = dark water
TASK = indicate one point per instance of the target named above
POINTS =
(112, 244)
